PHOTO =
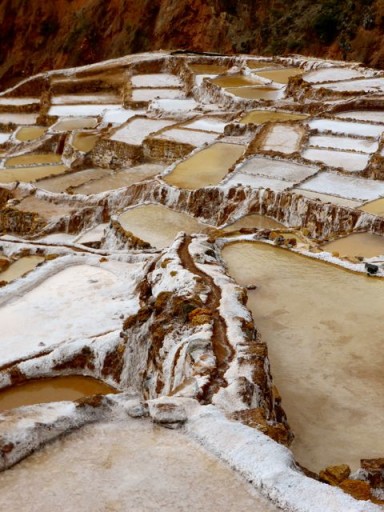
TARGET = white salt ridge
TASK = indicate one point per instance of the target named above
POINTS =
(346, 128)
(200, 78)
(331, 74)
(80, 110)
(268, 465)
(325, 198)
(277, 169)
(156, 80)
(94, 234)
(345, 186)
(197, 138)
(208, 124)
(348, 160)
(347, 143)
(119, 115)
(138, 129)
(153, 94)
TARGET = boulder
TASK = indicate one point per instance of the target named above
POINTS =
(334, 475)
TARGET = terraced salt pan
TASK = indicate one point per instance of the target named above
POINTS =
(206, 167)
(80, 110)
(191, 479)
(84, 141)
(30, 174)
(375, 207)
(158, 225)
(346, 128)
(73, 179)
(107, 292)
(357, 244)
(20, 267)
(208, 69)
(174, 105)
(152, 94)
(81, 99)
(92, 235)
(8, 118)
(263, 116)
(283, 138)
(4, 137)
(237, 81)
(138, 129)
(257, 93)
(207, 124)
(326, 198)
(199, 79)
(278, 169)
(280, 76)
(18, 101)
(30, 159)
(243, 179)
(26, 134)
(345, 186)
(156, 80)
(254, 221)
(331, 75)
(324, 341)
(376, 116)
(194, 138)
(347, 143)
(46, 209)
(51, 390)
(114, 180)
(119, 115)
(368, 85)
(348, 160)
(73, 123)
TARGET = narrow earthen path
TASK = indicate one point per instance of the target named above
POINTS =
(220, 344)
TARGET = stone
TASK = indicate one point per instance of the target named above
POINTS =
(138, 410)
(167, 413)
(334, 475)
(356, 488)
(374, 469)
(371, 268)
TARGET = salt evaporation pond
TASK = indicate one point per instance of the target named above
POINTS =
(126, 465)
(118, 179)
(283, 138)
(236, 81)
(29, 324)
(206, 167)
(20, 267)
(264, 116)
(30, 174)
(325, 342)
(158, 224)
(374, 207)
(254, 221)
(71, 179)
(357, 244)
(208, 69)
(375, 116)
(256, 93)
(33, 159)
(51, 390)
(74, 123)
(84, 141)
(280, 76)
(348, 160)
(30, 133)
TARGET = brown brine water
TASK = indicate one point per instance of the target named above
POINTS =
(324, 331)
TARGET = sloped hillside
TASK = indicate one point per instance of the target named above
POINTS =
(38, 35)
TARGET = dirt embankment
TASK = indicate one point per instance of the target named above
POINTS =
(37, 36)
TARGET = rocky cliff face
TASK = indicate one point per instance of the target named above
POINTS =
(36, 36)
